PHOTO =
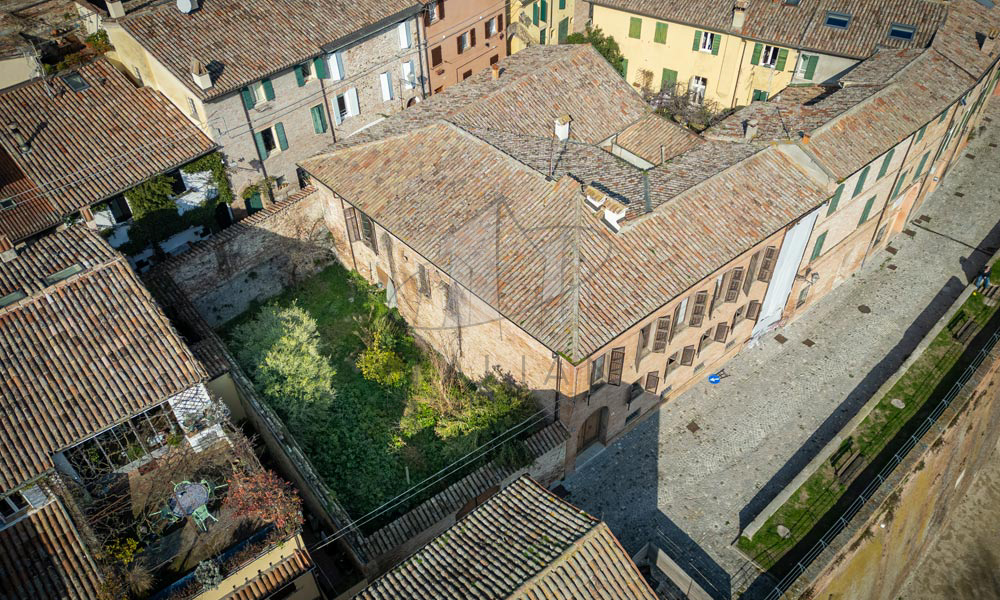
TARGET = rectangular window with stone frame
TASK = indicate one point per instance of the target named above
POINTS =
(351, 218)
(597, 372)
(687, 356)
(368, 232)
(679, 322)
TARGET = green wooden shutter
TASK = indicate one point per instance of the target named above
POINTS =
(716, 42)
(867, 211)
(759, 96)
(660, 33)
(782, 59)
(544, 10)
(860, 186)
(268, 89)
(818, 248)
(899, 185)
(319, 119)
(279, 130)
(669, 80)
(758, 49)
(697, 41)
(248, 99)
(835, 200)
(261, 148)
(811, 67)
(541, 37)
(534, 13)
(885, 163)
(319, 67)
(635, 27)
(943, 116)
(625, 68)
(300, 76)
(562, 4)
(920, 167)
(563, 30)
(920, 134)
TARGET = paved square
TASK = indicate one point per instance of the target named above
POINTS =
(692, 493)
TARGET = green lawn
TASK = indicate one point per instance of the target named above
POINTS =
(372, 435)
(928, 377)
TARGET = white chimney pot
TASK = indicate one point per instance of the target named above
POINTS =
(200, 74)
(562, 127)
(115, 9)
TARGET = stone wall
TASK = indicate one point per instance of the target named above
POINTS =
(254, 259)
(876, 553)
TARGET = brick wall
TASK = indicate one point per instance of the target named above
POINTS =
(254, 259)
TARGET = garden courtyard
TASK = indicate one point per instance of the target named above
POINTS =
(374, 411)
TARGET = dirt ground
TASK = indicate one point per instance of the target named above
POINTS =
(964, 563)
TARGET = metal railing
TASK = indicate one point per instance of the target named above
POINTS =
(869, 491)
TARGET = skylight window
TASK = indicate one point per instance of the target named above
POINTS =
(64, 274)
(7, 203)
(898, 31)
(837, 20)
(12, 298)
(75, 81)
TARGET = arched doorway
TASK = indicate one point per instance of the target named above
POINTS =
(592, 429)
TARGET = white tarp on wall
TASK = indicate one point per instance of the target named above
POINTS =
(792, 249)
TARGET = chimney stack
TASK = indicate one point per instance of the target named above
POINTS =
(495, 69)
(200, 74)
(562, 127)
(739, 14)
(7, 252)
(19, 139)
(115, 9)
(989, 44)
(750, 130)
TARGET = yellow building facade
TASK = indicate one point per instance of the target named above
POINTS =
(540, 22)
(712, 66)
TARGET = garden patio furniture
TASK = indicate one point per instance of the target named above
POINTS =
(187, 498)
(201, 517)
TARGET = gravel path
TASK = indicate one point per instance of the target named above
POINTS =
(691, 492)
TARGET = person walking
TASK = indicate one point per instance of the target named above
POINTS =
(983, 279)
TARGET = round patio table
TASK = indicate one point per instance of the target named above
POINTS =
(187, 498)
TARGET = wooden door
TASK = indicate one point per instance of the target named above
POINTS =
(590, 431)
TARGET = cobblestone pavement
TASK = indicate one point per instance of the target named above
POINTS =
(691, 492)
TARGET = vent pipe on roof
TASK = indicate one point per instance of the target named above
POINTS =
(187, 6)
(749, 129)
(739, 14)
(990, 42)
(22, 143)
(115, 9)
(200, 74)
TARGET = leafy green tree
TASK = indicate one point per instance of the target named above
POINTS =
(604, 44)
(281, 349)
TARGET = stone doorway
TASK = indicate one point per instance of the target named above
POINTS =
(592, 429)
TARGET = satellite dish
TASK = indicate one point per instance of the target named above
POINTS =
(186, 6)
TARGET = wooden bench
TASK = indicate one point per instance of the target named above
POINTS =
(851, 468)
(964, 333)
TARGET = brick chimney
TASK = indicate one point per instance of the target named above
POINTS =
(739, 13)
(495, 70)
(115, 9)
(750, 129)
(22, 143)
(989, 44)
(200, 74)
(562, 127)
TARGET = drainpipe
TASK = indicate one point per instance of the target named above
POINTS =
(555, 406)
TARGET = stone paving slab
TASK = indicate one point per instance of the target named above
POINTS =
(692, 492)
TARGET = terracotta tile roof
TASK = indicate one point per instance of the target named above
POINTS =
(78, 355)
(556, 286)
(521, 543)
(241, 41)
(41, 556)
(647, 136)
(916, 95)
(960, 37)
(802, 26)
(536, 86)
(88, 145)
(271, 580)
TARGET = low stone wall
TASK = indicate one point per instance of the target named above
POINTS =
(873, 556)
(254, 259)
(388, 546)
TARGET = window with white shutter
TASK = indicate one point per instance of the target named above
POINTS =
(352, 103)
(385, 80)
(408, 79)
(404, 35)
(336, 63)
